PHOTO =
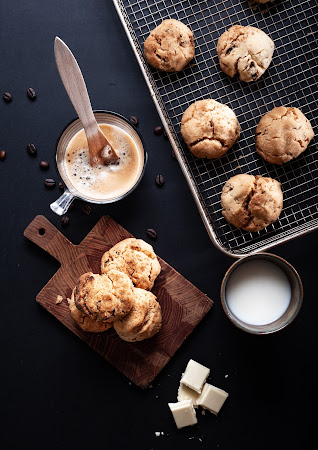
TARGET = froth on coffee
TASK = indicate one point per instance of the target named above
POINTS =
(104, 182)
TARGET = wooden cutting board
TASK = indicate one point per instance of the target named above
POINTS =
(182, 304)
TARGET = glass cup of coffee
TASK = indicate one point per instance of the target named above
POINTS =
(105, 183)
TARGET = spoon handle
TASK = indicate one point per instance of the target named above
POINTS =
(75, 86)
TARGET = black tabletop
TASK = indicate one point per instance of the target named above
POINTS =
(56, 392)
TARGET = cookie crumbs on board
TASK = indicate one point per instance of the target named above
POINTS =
(59, 299)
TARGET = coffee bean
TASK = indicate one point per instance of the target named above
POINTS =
(7, 97)
(61, 186)
(159, 180)
(32, 149)
(31, 93)
(65, 221)
(86, 209)
(3, 155)
(49, 183)
(44, 165)
(152, 233)
(158, 130)
(133, 120)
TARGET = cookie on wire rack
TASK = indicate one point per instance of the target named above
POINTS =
(209, 128)
(170, 46)
(245, 51)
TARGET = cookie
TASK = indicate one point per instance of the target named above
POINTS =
(144, 319)
(245, 51)
(104, 297)
(251, 203)
(86, 323)
(135, 258)
(209, 128)
(170, 46)
(283, 134)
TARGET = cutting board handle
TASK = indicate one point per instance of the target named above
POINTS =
(45, 235)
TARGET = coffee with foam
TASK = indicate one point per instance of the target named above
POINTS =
(104, 182)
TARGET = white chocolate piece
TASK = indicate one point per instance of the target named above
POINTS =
(195, 376)
(185, 393)
(212, 398)
(183, 413)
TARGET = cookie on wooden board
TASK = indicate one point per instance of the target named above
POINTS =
(136, 258)
(86, 323)
(106, 297)
(143, 321)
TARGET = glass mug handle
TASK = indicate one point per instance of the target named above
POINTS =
(61, 205)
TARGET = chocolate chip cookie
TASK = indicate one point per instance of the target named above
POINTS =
(105, 297)
(245, 51)
(86, 323)
(143, 321)
(209, 128)
(170, 46)
(251, 203)
(283, 134)
(135, 258)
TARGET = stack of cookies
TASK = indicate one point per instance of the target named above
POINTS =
(120, 296)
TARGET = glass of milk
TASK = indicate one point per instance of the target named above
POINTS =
(261, 293)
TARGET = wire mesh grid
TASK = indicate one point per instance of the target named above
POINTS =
(289, 81)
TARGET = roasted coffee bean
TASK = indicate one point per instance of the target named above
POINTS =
(158, 130)
(31, 93)
(65, 221)
(86, 209)
(3, 155)
(61, 186)
(152, 233)
(49, 183)
(44, 165)
(32, 149)
(7, 97)
(159, 180)
(133, 120)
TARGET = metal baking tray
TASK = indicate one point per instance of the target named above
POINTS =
(290, 80)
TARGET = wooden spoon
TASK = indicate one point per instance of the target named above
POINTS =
(100, 150)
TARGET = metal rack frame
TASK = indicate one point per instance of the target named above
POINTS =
(290, 81)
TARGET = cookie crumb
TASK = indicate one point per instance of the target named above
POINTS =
(59, 299)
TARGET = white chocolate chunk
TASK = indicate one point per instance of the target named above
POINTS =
(183, 413)
(195, 375)
(212, 398)
(185, 393)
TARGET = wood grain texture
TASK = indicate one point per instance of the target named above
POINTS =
(183, 305)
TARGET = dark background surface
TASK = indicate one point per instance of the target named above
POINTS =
(56, 392)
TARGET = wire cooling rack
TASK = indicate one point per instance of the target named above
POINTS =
(290, 81)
